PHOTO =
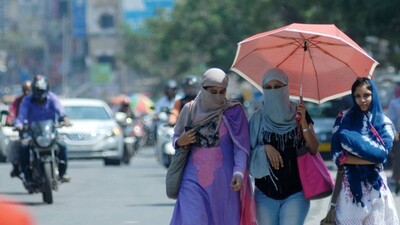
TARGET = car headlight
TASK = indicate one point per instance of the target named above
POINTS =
(116, 131)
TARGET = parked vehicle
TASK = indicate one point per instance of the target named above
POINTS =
(95, 133)
(42, 137)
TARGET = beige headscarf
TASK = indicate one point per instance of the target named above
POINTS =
(206, 106)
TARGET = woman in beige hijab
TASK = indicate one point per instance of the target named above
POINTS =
(215, 188)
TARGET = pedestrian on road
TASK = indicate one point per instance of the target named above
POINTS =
(393, 113)
(275, 139)
(361, 142)
(215, 188)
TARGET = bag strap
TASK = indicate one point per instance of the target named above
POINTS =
(375, 132)
(189, 119)
(338, 186)
(188, 123)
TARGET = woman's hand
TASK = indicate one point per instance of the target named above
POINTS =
(274, 156)
(187, 138)
(301, 108)
(236, 183)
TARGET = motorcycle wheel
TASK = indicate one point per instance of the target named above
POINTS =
(126, 158)
(46, 188)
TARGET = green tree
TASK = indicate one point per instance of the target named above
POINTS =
(202, 34)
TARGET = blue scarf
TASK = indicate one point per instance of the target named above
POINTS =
(366, 135)
(278, 112)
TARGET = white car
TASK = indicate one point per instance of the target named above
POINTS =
(94, 134)
(9, 138)
(9, 144)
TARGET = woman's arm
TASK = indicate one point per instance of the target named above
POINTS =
(311, 139)
(308, 129)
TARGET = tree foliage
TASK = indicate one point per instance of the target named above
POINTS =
(201, 34)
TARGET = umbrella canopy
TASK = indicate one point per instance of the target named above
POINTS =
(142, 104)
(321, 61)
(117, 100)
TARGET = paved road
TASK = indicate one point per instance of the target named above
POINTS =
(122, 195)
(100, 195)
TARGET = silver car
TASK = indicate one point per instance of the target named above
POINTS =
(94, 133)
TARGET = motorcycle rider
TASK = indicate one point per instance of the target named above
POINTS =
(14, 107)
(190, 86)
(41, 104)
(167, 101)
(164, 103)
(13, 112)
(126, 108)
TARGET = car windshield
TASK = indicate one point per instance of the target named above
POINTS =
(330, 108)
(87, 113)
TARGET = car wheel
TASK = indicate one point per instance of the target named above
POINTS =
(112, 162)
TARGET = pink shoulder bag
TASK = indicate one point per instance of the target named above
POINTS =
(315, 178)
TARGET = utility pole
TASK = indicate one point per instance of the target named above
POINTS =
(65, 55)
(66, 47)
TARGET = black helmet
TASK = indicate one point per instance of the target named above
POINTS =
(190, 81)
(40, 88)
(190, 86)
(170, 85)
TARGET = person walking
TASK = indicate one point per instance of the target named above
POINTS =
(362, 138)
(215, 188)
(276, 136)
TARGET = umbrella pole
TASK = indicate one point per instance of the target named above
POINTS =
(305, 47)
(298, 114)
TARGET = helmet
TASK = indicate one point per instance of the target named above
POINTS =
(170, 85)
(40, 88)
(190, 80)
(190, 86)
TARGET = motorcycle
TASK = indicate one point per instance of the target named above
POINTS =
(163, 147)
(42, 137)
(130, 139)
